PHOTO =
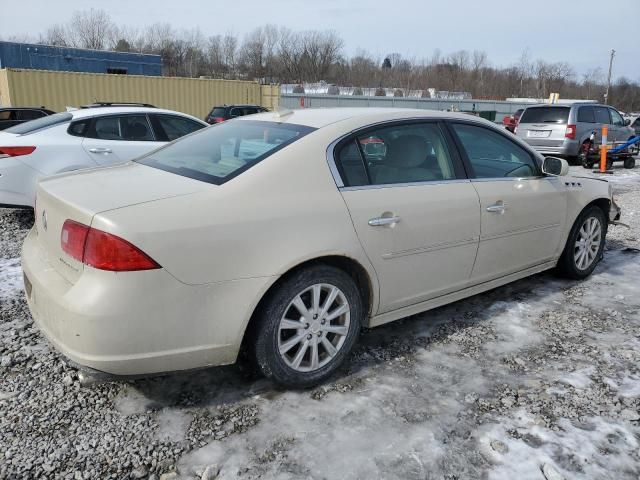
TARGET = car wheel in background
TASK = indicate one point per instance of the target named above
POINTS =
(585, 244)
(629, 162)
(583, 155)
(308, 326)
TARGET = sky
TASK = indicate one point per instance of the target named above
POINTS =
(553, 30)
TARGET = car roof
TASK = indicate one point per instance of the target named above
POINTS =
(99, 111)
(321, 117)
(567, 105)
(4, 109)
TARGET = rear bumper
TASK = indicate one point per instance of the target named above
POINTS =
(567, 149)
(17, 184)
(137, 323)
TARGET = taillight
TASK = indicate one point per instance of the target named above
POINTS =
(570, 132)
(16, 151)
(73, 238)
(218, 119)
(103, 250)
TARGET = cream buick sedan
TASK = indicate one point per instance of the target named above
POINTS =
(282, 234)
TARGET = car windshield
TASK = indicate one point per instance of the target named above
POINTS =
(40, 123)
(219, 153)
(545, 115)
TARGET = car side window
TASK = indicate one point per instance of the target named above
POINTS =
(170, 127)
(586, 115)
(5, 115)
(602, 115)
(616, 118)
(27, 115)
(404, 153)
(493, 155)
(350, 165)
(126, 127)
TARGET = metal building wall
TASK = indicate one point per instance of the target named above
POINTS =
(48, 57)
(57, 90)
(293, 101)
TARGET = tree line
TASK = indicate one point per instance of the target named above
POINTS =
(280, 55)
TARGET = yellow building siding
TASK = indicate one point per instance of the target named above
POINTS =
(195, 96)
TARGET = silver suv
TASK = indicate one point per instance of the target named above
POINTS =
(565, 130)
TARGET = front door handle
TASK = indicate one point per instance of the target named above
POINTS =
(382, 221)
(100, 150)
(498, 207)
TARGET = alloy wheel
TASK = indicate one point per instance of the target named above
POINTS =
(587, 243)
(314, 327)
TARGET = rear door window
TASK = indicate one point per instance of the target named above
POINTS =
(602, 115)
(586, 115)
(124, 127)
(545, 115)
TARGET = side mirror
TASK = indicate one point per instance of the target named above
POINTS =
(627, 122)
(556, 167)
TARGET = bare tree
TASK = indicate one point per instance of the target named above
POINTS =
(90, 28)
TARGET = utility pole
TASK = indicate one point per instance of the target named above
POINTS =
(606, 95)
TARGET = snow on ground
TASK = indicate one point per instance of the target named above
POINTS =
(538, 379)
(11, 284)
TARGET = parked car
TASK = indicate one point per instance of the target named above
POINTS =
(12, 116)
(83, 138)
(565, 130)
(277, 234)
(510, 122)
(227, 112)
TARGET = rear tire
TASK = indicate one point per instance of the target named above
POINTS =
(629, 162)
(308, 326)
(585, 244)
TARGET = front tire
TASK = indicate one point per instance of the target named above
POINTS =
(308, 326)
(585, 244)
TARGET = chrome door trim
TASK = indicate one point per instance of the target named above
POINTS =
(431, 248)
(511, 233)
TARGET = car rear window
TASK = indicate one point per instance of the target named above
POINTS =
(217, 112)
(40, 123)
(545, 115)
(220, 153)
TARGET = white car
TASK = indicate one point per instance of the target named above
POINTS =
(82, 138)
(284, 233)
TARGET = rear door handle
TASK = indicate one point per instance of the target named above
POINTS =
(382, 221)
(100, 150)
(498, 207)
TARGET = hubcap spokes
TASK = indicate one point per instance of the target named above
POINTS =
(314, 327)
(588, 243)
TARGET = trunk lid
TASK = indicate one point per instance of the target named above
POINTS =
(81, 195)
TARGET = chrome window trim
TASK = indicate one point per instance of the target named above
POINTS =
(406, 184)
(509, 179)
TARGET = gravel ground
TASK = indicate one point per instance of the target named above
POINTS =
(535, 380)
